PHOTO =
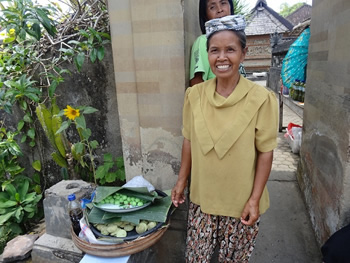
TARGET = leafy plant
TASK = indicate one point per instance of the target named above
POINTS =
(111, 170)
(9, 152)
(17, 204)
(25, 18)
(92, 46)
(81, 151)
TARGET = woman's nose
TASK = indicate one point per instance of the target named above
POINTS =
(221, 55)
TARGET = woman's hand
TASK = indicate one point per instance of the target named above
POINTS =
(177, 194)
(250, 213)
(262, 171)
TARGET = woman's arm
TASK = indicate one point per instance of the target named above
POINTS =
(196, 79)
(177, 193)
(263, 168)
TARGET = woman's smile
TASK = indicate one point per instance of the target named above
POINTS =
(223, 67)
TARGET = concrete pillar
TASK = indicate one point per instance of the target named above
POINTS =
(324, 172)
(151, 43)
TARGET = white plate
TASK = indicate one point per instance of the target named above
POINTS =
(116, 209)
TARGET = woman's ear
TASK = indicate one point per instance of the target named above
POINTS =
(244, 53)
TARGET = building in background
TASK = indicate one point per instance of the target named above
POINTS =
(302, 14)
(262, 23)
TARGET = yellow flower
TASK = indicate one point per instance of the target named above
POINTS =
(12, 31)
(71, 113)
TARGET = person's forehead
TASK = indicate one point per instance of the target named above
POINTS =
(215, 1)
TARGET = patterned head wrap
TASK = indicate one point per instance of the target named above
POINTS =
(234, 22)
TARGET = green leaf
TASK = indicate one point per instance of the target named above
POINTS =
(60, 139)
(19, 214)
(86, 133)
(52, 88)
(64, 173)
(79, 147)
(20, 125)
(107, 157)
(81, 122)
(24, 138)
(9, 40)
(94, 144)
(23, 190)
(46, 21)
(101, 172)
(84, 33)
(23, 105)
(6, 217)
(8, 203)
(35, 31)
(120, 175)
(74, 42)
(100, 53)
(93, 55)
(79, 60)
(29, 197)
(31, 133)
(10, 189)
(17, 197)
(32, 144)
(29, 208)
(37, 189)
(64, 126)
(36, 178)
(37, 165)
(88, 110)
(105, 35)
(110, 177)
(57, 157)
(27, 118)
(45, 118)
(22, 34)
(120, 162)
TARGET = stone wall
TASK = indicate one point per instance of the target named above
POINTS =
(150, 59)
(324, 172)
(258, 57)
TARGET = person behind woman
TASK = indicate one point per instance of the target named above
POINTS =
(230, 131)
(199, 66)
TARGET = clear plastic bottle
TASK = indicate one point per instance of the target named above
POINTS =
(75, 213)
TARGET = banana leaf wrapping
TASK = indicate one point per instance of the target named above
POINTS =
(157, 211)
(139, 192)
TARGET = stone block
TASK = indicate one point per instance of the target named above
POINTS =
(56, 206)
(55, 249)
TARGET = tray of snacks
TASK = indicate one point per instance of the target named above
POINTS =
(125, 231)
(121, 203)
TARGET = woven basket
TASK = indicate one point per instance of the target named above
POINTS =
(119, 250)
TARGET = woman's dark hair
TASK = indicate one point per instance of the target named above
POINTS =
(240, 34)
(203, 13)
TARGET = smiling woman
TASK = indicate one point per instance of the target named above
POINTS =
(230, 131)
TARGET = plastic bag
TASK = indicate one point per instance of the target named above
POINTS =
(293, 135)
(87, 235)
(139, 181)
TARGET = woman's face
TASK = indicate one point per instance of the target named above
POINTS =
(225, 53)
(218, 8)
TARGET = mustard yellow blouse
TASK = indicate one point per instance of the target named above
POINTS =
(225, 135)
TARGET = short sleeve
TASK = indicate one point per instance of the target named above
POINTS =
(267, 125)
(199, 59)
(186, 117)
